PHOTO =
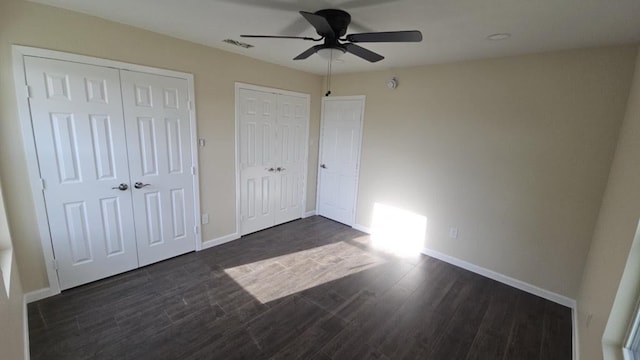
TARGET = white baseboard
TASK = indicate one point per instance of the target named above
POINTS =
(518, 284)
(221, 240)
(308, 214)
(362, 228)
(39, 294)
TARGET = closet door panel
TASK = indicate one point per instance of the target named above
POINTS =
(258, 159)
(158, 140)
(79, 131)
(291, 133)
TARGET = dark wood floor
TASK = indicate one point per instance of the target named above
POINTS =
(309, 289)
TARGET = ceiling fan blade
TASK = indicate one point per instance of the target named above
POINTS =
(296, 28)
(363, 53)
(310, 51)
(320, 23)
(280, 37)
(352, 4)
(271, 4)
(389, 36)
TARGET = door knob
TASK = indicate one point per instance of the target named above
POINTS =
(121, 187)
(323, 166)
(140, 185)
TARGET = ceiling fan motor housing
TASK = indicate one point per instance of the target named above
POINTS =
(339, 20)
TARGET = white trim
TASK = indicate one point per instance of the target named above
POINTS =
(220, 240)
(631, 345)
(307, 97)
(518, 284)
(39, 294)
(194, 159)
(308, 214)
(362, 228)
(358, 162)
(532, 289)
(24, 114)
(574, 340)
(25, 329)
(60, 55)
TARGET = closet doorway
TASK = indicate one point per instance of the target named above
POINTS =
(272, 137)
(112, 161)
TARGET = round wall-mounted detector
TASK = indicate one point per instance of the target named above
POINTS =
(392, 83)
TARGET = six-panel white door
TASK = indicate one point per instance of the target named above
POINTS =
(156, 110)
(257, 159)
(272, 132)
(78, 127)
(290, 135)
(339, 157)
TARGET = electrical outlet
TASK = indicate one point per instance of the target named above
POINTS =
(453, 233)
(205, 219)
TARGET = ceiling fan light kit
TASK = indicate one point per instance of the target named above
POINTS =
(331, 54)
(331, 25)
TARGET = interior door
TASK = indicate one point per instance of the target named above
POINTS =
(258, 162)
(290, 169)
(76, 111)
(339, 157)
(156, 110)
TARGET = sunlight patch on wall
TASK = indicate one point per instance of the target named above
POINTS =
(303, 269)
(398, 231)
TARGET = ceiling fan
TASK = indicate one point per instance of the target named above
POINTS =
(331, 25)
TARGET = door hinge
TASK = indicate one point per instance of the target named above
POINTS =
(194, 171)
(42, 185)
(55, 264)
(28, 91)
(190, 102)
(196, 229)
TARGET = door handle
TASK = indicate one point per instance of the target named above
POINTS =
(140, 185)
(121, 187)
(323, 166)
(280, 169)
(270, 169)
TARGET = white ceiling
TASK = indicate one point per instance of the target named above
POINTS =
(453, 30)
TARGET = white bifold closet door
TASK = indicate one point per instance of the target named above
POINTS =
(156, 115)
(272, 136)
(92, 149)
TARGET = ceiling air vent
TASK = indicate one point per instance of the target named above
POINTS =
(237, 43)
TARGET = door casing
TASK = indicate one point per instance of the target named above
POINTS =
(22, 96)
(238, 86)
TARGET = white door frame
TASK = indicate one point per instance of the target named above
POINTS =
(355, 197)
(307, 97)
(24, 113)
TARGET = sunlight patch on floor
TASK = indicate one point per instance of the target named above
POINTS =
(397, 231)
(274, 278)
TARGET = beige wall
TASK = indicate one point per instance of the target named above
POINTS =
(215, 73)
(12, 341)
(611, 248)
(515, 152)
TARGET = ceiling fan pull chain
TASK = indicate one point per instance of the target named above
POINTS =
(329, 75)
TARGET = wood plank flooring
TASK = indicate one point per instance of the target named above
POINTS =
(309, 289)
